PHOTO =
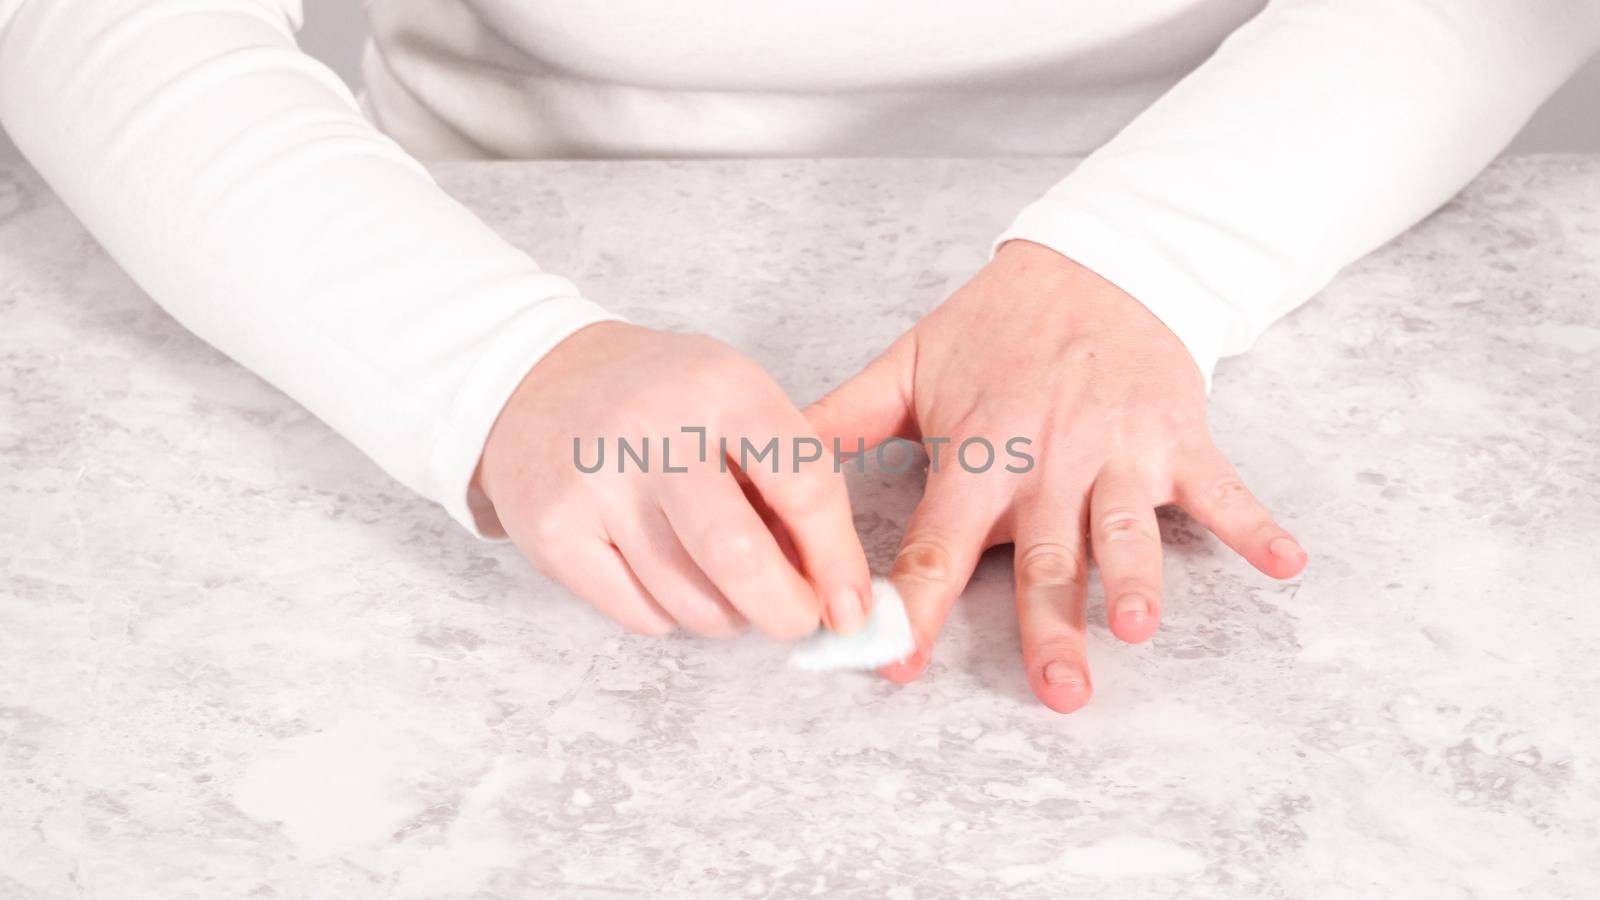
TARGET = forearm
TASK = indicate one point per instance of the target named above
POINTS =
(236, 181)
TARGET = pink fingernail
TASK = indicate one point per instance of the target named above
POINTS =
(1133, 608)
(1283, 548)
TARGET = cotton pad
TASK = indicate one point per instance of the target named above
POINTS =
(886, 638)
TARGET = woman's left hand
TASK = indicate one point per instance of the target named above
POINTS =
(1039, 347)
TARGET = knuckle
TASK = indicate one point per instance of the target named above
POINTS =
(1063, 645)
(549, 530)
(1228, 492)
(1125, 524)
(1051, 565)
(925, 560)
(733, 553)
(1185, 420)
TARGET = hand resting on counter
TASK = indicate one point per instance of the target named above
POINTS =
(1036, 345)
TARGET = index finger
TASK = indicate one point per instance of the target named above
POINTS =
(808, 495)
(949, 531)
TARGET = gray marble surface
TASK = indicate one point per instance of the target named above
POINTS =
(237, 660)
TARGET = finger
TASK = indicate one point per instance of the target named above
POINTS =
(872, 406)
(1208, 488)
(1127, 547)
(811, 502)
(948, 533)
(780, 533)
(666, 570)
(596, 572)
(1052, 587)
(728, 541)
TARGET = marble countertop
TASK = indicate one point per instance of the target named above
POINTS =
(238, 660)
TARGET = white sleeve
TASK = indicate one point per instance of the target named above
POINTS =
(235, 180)
(1316, 132)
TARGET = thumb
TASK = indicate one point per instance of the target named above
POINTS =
(874, 405)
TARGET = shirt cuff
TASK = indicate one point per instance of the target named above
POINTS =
(483, 393)
(1199, 318)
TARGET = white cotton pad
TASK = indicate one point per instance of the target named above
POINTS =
(886, 638)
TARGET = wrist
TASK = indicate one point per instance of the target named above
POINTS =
(1050, 276)
(542, 391)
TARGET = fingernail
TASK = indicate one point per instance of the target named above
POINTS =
(1059, 672)
(846, 611)
(1133, 608)
(1283, 547)
(907, 669)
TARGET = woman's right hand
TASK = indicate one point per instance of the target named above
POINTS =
(658, 548)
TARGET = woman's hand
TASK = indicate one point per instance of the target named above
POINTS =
(692, 547)
(1037, 346)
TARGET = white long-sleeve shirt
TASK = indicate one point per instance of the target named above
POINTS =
(1239, 154)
